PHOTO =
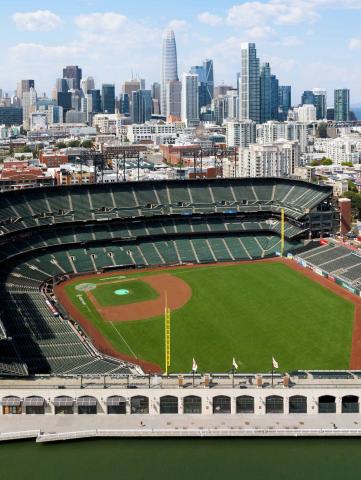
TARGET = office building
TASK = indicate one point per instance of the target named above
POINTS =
(61, 85)
(265, 93)
(73, 76)
(141, 106)
(29, 100)
(11, 116)
(205, 82)
(342, 105)
(169, 66)
(64, 100)
(320, 96)
(249, 84)
(87, 84)
(190, 102)
(108, 98)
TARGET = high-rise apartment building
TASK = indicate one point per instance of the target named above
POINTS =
(24, 86)
(73, 76)
(249, 84)
(108, 98)
(265, 93)
(169, 66)
(174, 99)
(240, 133)
(190, 102)
(284, 100)
(342, 105)
(274, 98)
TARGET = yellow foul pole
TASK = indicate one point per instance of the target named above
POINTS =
(282, 231)
(167, 334)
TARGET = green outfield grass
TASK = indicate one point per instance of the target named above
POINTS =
(251, 312)
(133, 291)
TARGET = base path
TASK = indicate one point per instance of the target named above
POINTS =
(173, 290)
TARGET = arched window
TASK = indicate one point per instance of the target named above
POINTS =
(87, 405)
(327, 404)
(139, 404)
(350, 404)
(298, 404)
(116, 405)
(64, 405)
(245, 404)
(192, 404)
(11, 405)
(34, 405)
(221, 404)
(168, 404)
(274, 404)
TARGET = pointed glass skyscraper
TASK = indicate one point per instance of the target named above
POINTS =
(169, 69)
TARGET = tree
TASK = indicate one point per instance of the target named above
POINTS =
(351, 186)
(355, 198)
(74, 143)
(326, 161)
(61, 145)
(347, 164)
(87, 143)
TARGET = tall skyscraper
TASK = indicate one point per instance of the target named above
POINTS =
(274, 98)
(29, 106)
(284, 100)
(249, 84)
(205, 82)
(265, 93)
(342, 105)
(64, 100)
(174, 99)
(95, 101)
(141, 106)
(320, 103)
(61, 85)
(124, 104)
(308, 98)
(108, 98)
(190, 102)
(24, 86)
(87, 84)
(73, 75)
(169, 67)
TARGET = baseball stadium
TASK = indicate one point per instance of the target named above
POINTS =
(168, 284)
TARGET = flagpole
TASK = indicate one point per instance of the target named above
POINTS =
(272, 373)
(193, 377)
(233, 377)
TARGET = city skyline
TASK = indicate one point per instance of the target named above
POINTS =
(38, 42)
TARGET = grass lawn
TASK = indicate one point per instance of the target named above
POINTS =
(251, 312)
(138, 291)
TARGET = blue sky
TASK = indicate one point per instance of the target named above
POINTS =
(309, 43)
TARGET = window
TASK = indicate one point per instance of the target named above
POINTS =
(350, 404)
(327, 404)
(168, 404)
(116, 405)
(192, 404)
(221, 404)
(298, 404)
(245, 404)
(64, 405)
(139, 404)
(274, 404)
(87, 405)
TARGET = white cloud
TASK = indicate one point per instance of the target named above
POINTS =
(41, 20)
(354, 43)
(209, 19)
(108, 21)
(34, 51)
(178, 25)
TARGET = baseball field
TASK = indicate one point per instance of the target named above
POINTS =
(251, 311)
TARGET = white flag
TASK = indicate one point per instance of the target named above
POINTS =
(194, 366)
(274, 363)
(234, 363)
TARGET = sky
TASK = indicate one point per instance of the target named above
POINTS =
(309, 43)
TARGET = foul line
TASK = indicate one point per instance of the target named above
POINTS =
(126, 343)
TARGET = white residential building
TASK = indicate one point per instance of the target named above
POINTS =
(271, 160)
(305, 114)
(240, 133)
(341, 149)
(190, 104)
(273, 131)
